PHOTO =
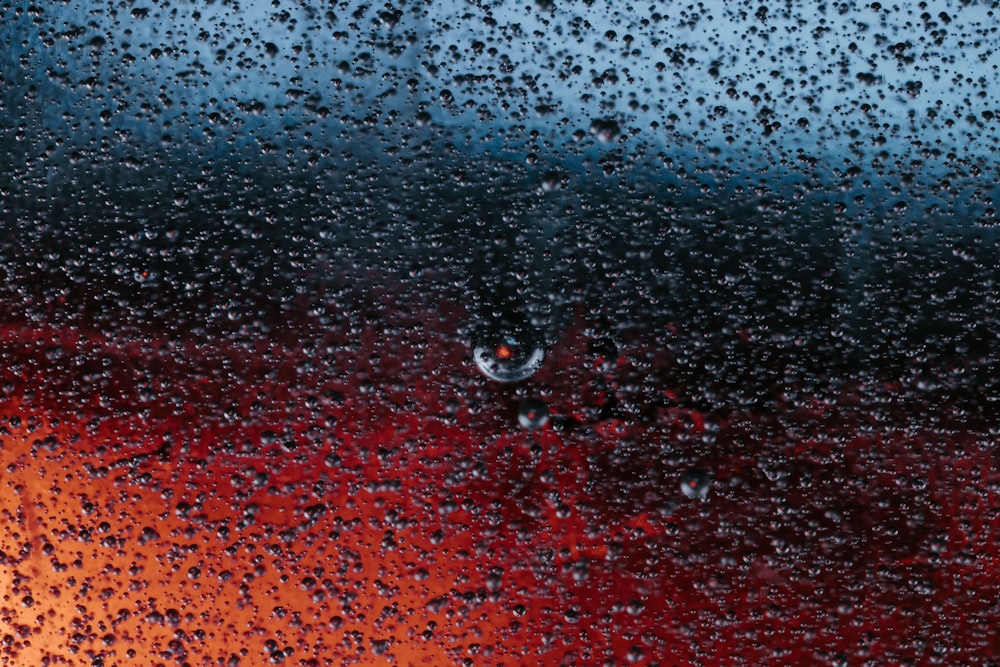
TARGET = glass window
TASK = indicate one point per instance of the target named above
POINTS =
(498, 333)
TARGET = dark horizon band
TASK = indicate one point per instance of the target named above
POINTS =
(801, 276)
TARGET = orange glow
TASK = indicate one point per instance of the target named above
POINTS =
(133, 558)
(140, 535)
(166, 504)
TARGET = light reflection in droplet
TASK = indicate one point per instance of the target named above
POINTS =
(508, 352)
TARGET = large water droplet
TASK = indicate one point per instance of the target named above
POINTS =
(508, 351)
(606, 130)
(695, 484)
(533, 414)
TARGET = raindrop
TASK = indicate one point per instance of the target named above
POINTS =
(695, 484)
(606, 130)
(533, 414)
(551, 181)
(508, 352)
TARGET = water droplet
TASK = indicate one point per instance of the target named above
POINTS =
(533, 414)
(551, 181)
(508, 352)
(695, 484)
(606, 130)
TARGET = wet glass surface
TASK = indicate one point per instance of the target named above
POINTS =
(498, 334)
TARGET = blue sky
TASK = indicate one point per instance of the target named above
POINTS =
(843, 83)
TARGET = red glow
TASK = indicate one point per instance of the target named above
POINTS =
(295, 513)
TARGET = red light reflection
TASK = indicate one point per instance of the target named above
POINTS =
(310, 509)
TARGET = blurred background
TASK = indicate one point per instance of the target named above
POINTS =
(245, 249)
(820, 179)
